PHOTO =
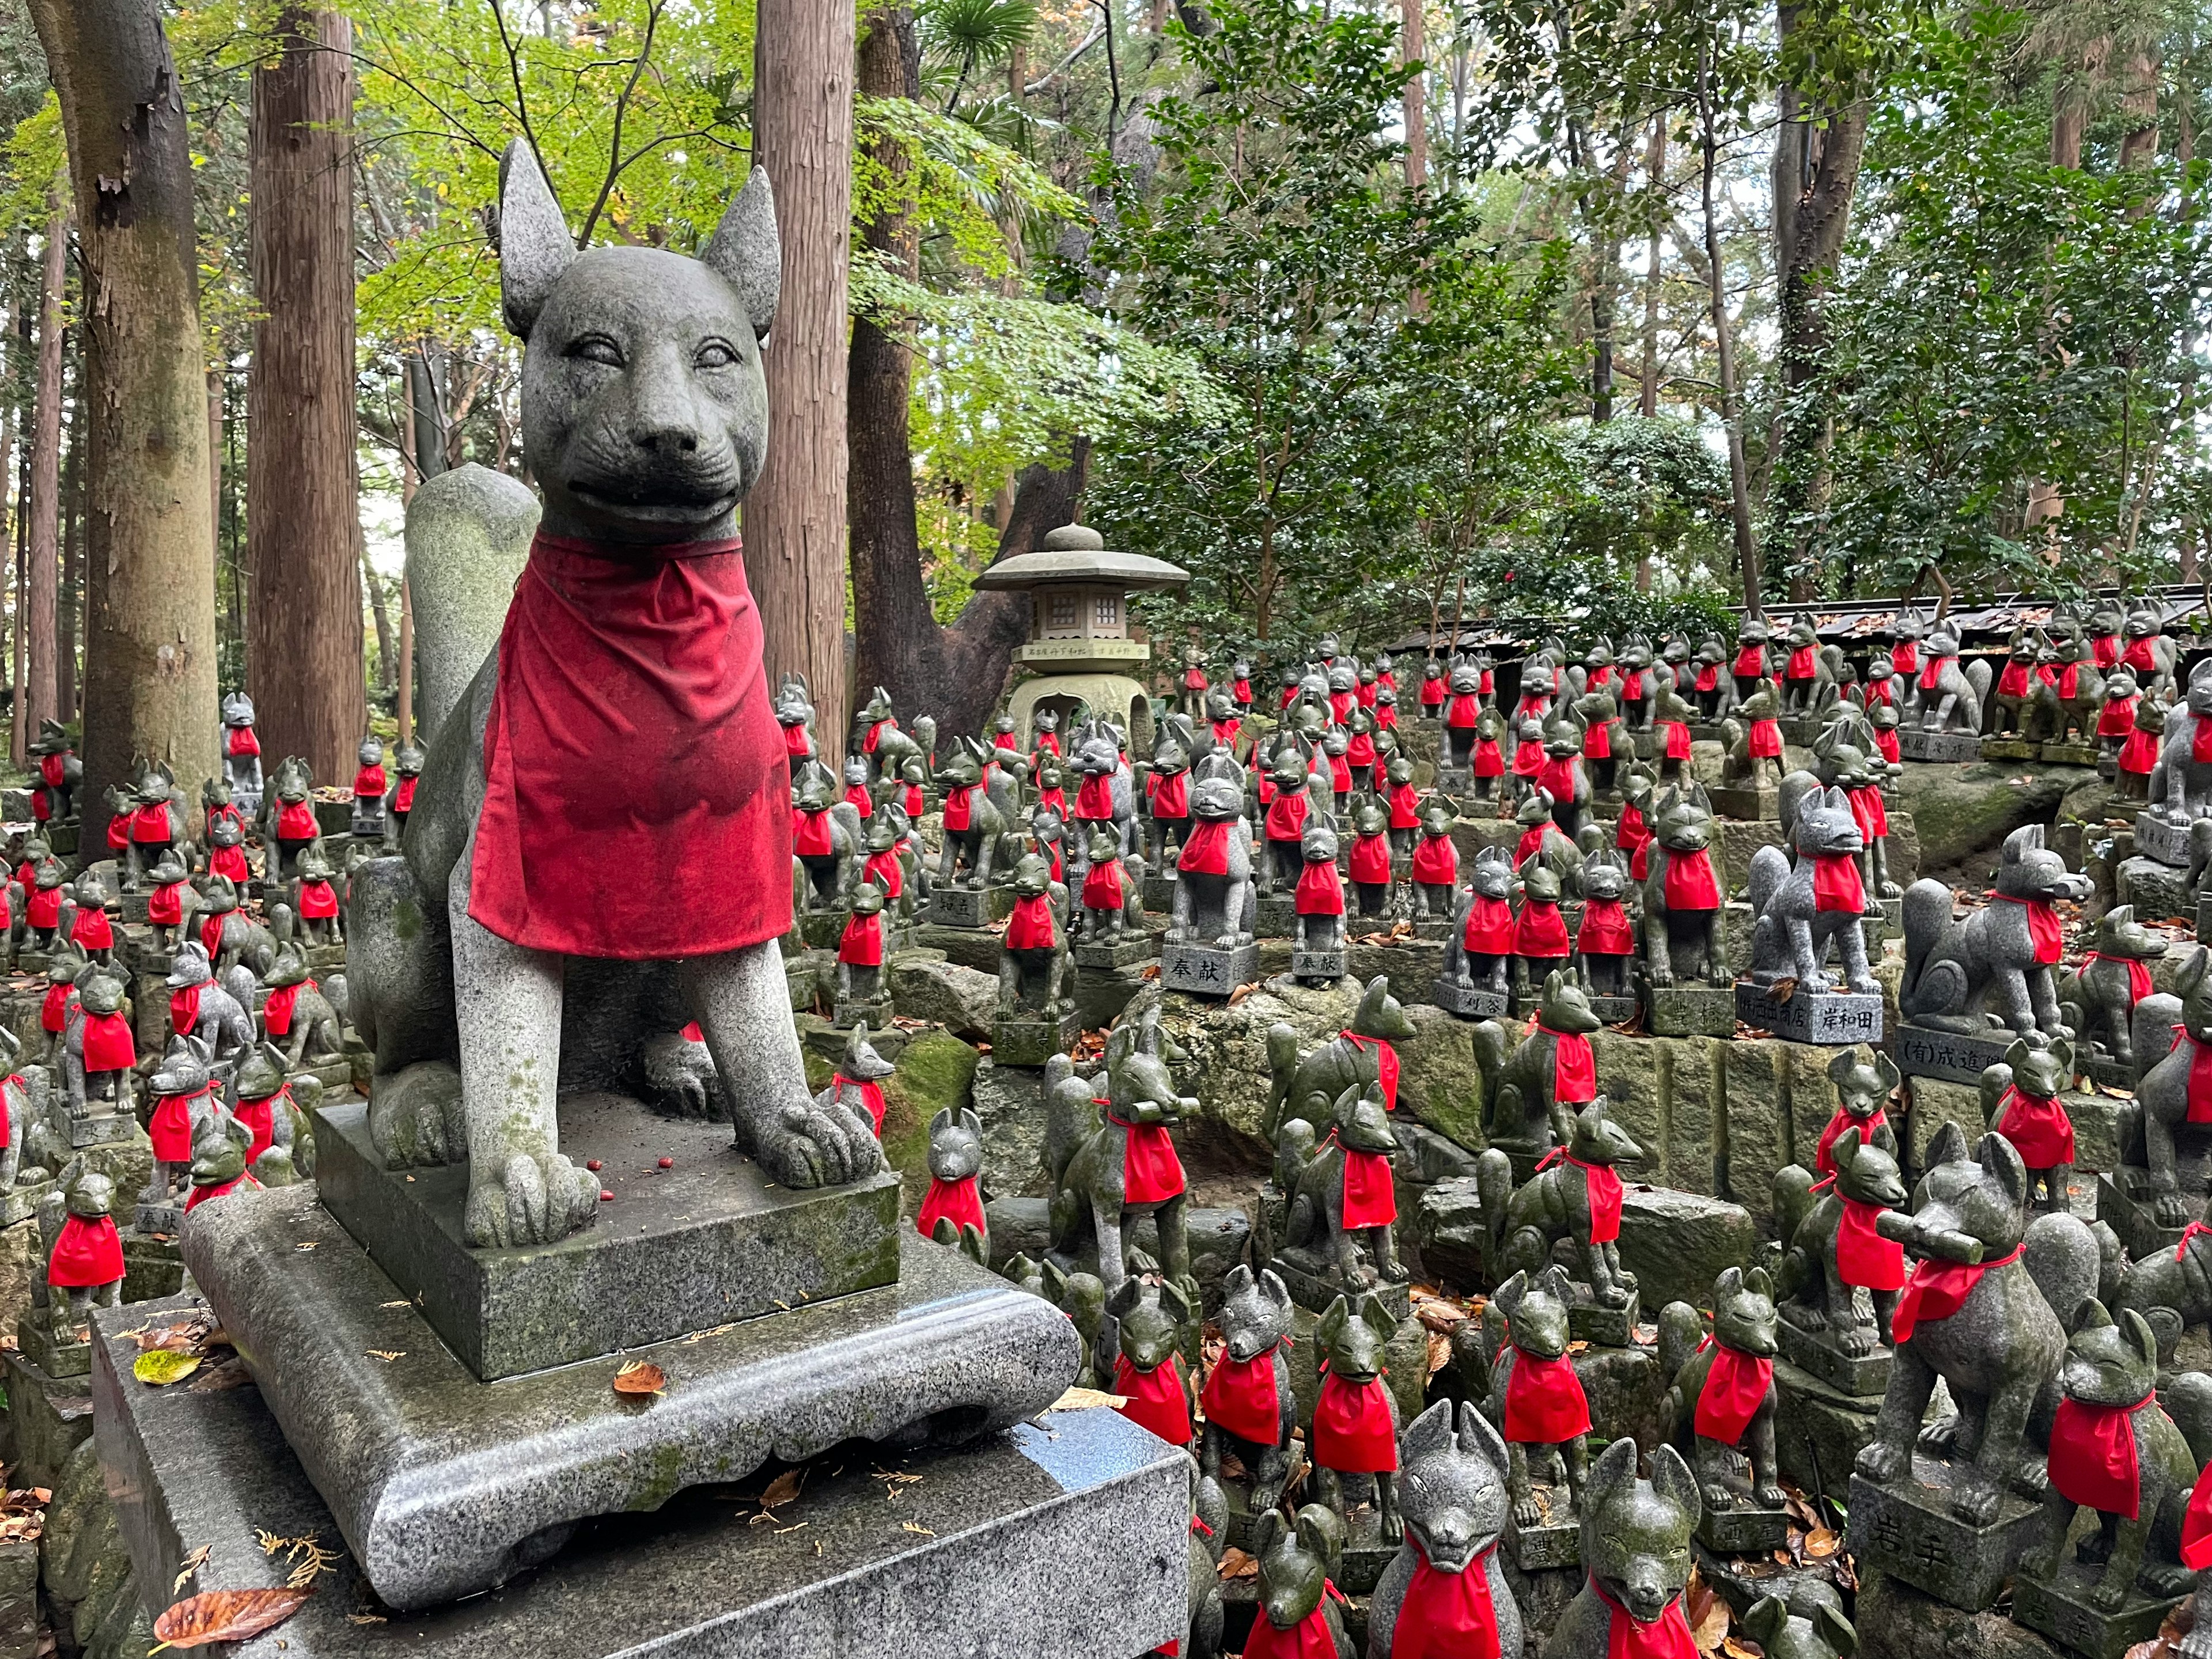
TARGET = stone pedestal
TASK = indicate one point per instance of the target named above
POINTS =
(2204, 920)
(820, 931)
(969, 907)
(167, 1220)
(2069, 754)
(2060, 1608)
(1613, 1011)
(1455, 781)
(1555, 1541)
(1818, 1431)
(946, 1569)
(1599, 1326)
(1744, 1531)
(1944, 748)
(1825, 1019)
(2157, 889)
(875, 1010)
(708, 1241)
(1159, 893)
(1317, 967)
(1028, 1041)
(1468, 1002)
(2129, 1213)
(48, 1418)
(1763, 804)
(1203, 970)
(1276, 915)
(1314, 1294)
(1861, 1376)
(1955, 1059)
(1907, 1529)
(1106, 954)
(2005, 749)
(60, 1360)
(443, 1486)
(2159, 837)
(1690, 1010)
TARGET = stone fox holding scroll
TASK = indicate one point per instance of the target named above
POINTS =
(631, 649)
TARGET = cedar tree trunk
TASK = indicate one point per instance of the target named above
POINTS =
(42, 699)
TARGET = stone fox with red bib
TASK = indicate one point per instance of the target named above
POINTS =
(1997, 962)
(617, 745)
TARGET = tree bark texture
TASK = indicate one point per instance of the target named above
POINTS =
(1747, 542)
(1654, 169)
(1414, 47)
(66, 607)
(41, 693)
(150, 679)
(794, 519)
(303, 647)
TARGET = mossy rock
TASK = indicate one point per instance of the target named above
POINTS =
(936, 1071)
(1961, 811)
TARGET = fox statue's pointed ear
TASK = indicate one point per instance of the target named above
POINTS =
(534, 244)
(747, 252)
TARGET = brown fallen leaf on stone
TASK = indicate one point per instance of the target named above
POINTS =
(1736, 1648)
(1236, 1564)
(225, 1616)
(782, 1489)
(1821, 1543)
(1085, 1400)
(640, 1378)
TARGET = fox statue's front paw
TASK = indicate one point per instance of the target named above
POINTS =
(534, 1200)
(1881, 1460)
(819, 1146)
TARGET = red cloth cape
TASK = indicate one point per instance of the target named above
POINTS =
(1371, 859)
(2037, 1127)
(1447, 1615)
(1800, 665)
(1386, 1064)
(1151, 1171)
(2196, 1527)
(960, 1199)
(872, 1097)
(165, 905)
(1310, 1638)
(185, 1009)
(1904, 657)
(370, 780)
(1863, 1256)
(45, 907)
(93, 930)
(1543, 1402)
(260, 1116)
(1574, 1068)
(276, 1012)
(1605, 931)
(107, 1043)
(2140, 752)
(236, 1183)
(2117, 718)
(885, 870)
(1530, 844)
(2140, 655)
(1320, 891)
(1766, 739)
(1205, 849)
(2013, 683)
(170, 1128)
(1601, 1182)
(1489, 761)
(1405, 808)
(1032, 927)
(1352, 1431)
(1538, 932)
(2043, 927)
(1750, 662)
(1824, 1155)
(1690, 884)
(1101, 885)
(861, 943)
(1171, 799)
(211, 931)
(53, 1012)
(1872, 813)
(295, 821)
(1937, 1290)
(86, 1253)
(1157, 1400)
(858, 797)
(1370, 1198)
(1094, 797)
(1489, 927)
(1597, 742)
(1240, 1396)
(228, 861)
(242, 742)
(645, 667)
(1286, 817)
(1667, 1637)
(2093, 1456)
(149, 824)
(1435, 862)
(1837, 886)
(318, 899)
(2138, 974)
(1735, 1387)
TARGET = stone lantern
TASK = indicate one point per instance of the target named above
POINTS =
(1079, 649)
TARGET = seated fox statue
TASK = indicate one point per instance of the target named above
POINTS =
(528, 937)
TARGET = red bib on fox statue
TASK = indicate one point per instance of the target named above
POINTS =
(644, 667)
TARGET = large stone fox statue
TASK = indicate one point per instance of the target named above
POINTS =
(600, 850)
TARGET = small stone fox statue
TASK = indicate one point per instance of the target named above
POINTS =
(1436, 860)
(1604, 941)
(1530, 1099)
(825, 843)
(84, 1252)
(1249, 1410)
(1343, 1203)
(1806, 909)
(1149, 1320)
(1536, 1399)
(1722, 1401)
(1113, 900)
(1307, 1085)
(956, 1159)
(2097, 1000)
(1575, 1196)
(186, 1100)
(1446, 1591)
(1297, 1616)
(297, 1018)
(978, 818)
(858, 1081)
(1998, 960)
(1215, 900)
(215, 1012)
(1835, 1248)
(219, 1161)
(860, 948)
(1479, 952)
(1372, 880)
(1682, 896)
(2020, 1102)
(1355, 1419)
(276, 1111)
(99, 1049)
(1319, 901)
(170, 901)
(1810, 1625)
(1034, 963)
(2109, 1379)
(1636, 1558)
(1111, 1159)
(2163, 1078)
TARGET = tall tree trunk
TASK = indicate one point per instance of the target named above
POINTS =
(1655, 170)
(379, 610)
(1605, 285)
(1412, 48)
(1747, 546)
(794, 519)
(67, 607)
(41, 696)
(149, 671)
(303, 652)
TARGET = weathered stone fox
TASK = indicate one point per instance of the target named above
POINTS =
(1998, 960)
(1576, 1198)
(1216, 899)
(1712, 1432)
(1805, 910)
(1454, 1510)
(1636, 1556)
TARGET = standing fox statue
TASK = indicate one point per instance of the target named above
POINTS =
(547, 951)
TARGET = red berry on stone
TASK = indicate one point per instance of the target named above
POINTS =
(667, 1163)
(592, 1164)
(605, 1196)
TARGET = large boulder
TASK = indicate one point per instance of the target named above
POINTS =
(963, 1001)
(1961, 811)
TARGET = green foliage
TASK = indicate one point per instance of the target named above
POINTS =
(1648, 490)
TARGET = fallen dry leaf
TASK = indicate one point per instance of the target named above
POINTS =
(1236, 1564)
(1737, 1648)
(225, 1616)
(1240, 993)
(193, 1563)
(159, 1367)
(640, 1378)
(1706, 1612)
(1821, 1543)
(1440, 1351)
(782, 1489)
(910, 1526)
(1085, 1399)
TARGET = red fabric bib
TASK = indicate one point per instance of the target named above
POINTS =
(861, 943)
(1880, 693)
(276, 1012)
(1352, 1432)
(1447, 1615)
(1031, 926)
(1094, 797)
(93, 930)
(1489, 762)
(1574, 1068)
(1240, 1397)
(1310, 1638)
(1172, 798)
(2140, 753)
(2138, 974)
(149, 824)
(2037, 1127)
(872, 1096)
(1800, 665)
(107, 1043)
(1932, 673)
(1597, 742)
(1543, 1402)
(1047, 743)
(1205, 849)
(1824, 1155)
(1340, 773)
(1530, 844)
(875, 732)
(914, 800)
(370, 780)
(45, 908)
(1836, 885)
(1435, 862)
(2042, 926)
(1540, 931)
(2140, 655)
(1386, 1064)
(858, 797)
(2013, 683)
(2067, 682)
(1937, 1290)
(1603, 1185)
(2107, 649)
(236, 1183)
(885, 870)
(1286, 817)
(960, 1199)
(959, 805)
(318, 899)
(1766, 739)
(1386, 713)
(1735, 1387)
(1690, 884)
(1871, 812)
(165, 905)
(1527, 758)
(2200, 741)
(2093, 1456)
(796, 743)
(185, 1009)
(1605, 931)
(118, 832)
(1225, 731)
(211, 932)
(260, 1116)
(242, 742)
(1489, 927)
(1432, 693)
(295, 821)
(52, 768)
(1341, 705)
(1632, 832)
(1371, 859)
(1709, 677)
(1320, 891)
(1750, 662)
(170, 1128)
(648, 669)
(1863, 1256)
(53, 1012)
(86, 1253)
(2196, 1527)
(1157, 1400)
(1101, 885)
(1557, 776)
(228, 861)
(1405, 808)
(1667, 1637)
(1370, 1198)
(1151, 1171)
(1885, 742)
(1904, 657)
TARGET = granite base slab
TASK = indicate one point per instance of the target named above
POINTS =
(443, 1486)
(702, 1242)
(1758, 806)
(1944, 748)
(969, 907)
(1317, 967)
(875, 1011)
(2069, 754)
(842, 1572)
(2159, 837)
(1861, 1376)
(1203, 970)
(1314, 1293)
(1906, 1530)
(1028, 1041)
(48, 1418)
(1823, 1018)
(1276, 916)
(1947, 1055)
(1108, 953)
(1690, 1010)
(1158, 894)
(2060, 1608)
(1744, 1531)
(1613, 1011)
(1467, 1001)
(821, 931)
(2100, 1067)
(1602, 1327)
(2009, 749)
(1551, 1542)
(2133, 1218)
